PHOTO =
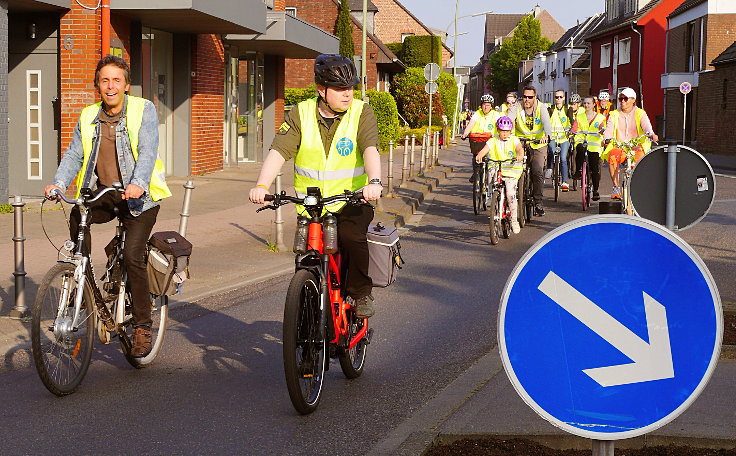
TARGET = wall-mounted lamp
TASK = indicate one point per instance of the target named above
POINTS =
(32, 31)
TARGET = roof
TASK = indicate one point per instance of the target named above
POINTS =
(625, 21)
(357, 5)
(501, 25)
(727, 56)
(398, 3)
(686, 5)
(578, 33)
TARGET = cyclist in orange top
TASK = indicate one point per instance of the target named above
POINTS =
(481, 127)
(604, 103)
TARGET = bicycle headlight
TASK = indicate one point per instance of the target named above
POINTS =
(68, 245)
(310, 200)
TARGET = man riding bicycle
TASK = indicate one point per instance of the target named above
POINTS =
(561, 120)
(116, 140)
(625, 124)
(480, 128)
(333, 140)
(532, 122)
(593, 123)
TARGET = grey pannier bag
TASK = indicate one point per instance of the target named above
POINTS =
(385, 254)
(168, 262)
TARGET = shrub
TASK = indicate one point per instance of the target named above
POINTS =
(396, 48)
(413, 101)
(387, 116)
(420, 50)
(294, 96)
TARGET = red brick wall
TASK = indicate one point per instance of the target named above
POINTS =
(713, 135)
(719, 35)
(208, 64)
(77, 66)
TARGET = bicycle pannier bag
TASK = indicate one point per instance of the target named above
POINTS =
(168, 262)
(385, 254)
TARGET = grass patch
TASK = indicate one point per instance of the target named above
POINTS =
(272, 246)
(6, 208)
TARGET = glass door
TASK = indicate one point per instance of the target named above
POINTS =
(250, 107)
(157, 69)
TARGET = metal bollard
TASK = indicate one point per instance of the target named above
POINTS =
(184, 215)
(411, 159)
(436, 160)
(278, 218)
(405, 161)
(391, 168)
(20, 310)
(423, 153)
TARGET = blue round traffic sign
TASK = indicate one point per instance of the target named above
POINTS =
(610, 326)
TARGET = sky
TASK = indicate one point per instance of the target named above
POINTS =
(440, 14)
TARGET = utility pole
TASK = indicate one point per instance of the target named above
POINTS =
(363, 53)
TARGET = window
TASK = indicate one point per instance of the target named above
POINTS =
(690, 46)
(34, 145)
(630, 7)
(605, 55)
(611, 10)
(624, 51)
(291, 10)
(404, 35)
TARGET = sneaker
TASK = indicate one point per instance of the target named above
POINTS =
(565, 187)
(616, 194)
(364, 307)
(596, 196)
(472, 178)
(578, 175)
(141, 342)
(515, 227)
(548, 173)
(539, 210)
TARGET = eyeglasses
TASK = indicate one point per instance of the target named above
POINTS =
(559, 96)
(623, 98)
(529, 97)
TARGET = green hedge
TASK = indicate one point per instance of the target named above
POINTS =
(419, 50)
(413, 101)
(396, 48)
(294, 96)
(387, 116)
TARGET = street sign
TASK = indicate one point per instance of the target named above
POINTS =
(695, 187)
(685, 88)
(610, 326)
(430, 87)
(431, 71)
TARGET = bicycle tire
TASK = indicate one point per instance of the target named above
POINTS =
(477, 191)
(626, 206)
(484, 187)
(304, 342)
(528, 201)
(160, 318)
(352, 360)
(556, 182)
(584, 186)
(520, 200)
(61, 361)
(494, 228)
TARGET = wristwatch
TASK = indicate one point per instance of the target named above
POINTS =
(375, 181)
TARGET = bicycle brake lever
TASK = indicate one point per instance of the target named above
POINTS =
(263, 208)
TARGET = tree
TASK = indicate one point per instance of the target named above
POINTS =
(504, 64)
(344, 31)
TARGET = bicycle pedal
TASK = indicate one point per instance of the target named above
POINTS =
(103, 334)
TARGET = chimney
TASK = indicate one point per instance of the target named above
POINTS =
(537, 11)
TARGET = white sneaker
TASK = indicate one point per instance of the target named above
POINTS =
(548, 173)
(515, 227)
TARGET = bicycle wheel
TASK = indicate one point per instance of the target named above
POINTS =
(584, 186)
(520, 199)
(484, 188)
(556, 178)
(528, 200)
(352, 360)
(494, 226)
(160, 318)
(304, 342)
(478, 193)
(626, 199)
(61, 356)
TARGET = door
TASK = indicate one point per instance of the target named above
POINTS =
(157, 68)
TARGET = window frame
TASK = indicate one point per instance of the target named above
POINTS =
(607, 63)
(621, 42)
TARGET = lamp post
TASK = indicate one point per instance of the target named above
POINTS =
(363, 53)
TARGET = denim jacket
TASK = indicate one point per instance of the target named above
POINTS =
(132, 171)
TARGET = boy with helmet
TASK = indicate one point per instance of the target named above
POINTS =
(481, 127)
(310, 135)
(604, 103)
(506, 146)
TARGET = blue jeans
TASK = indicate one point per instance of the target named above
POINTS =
(564, 148)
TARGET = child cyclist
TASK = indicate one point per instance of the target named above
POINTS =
(507, 147)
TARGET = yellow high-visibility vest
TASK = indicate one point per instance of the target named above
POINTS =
(613, 117)
(506, 150)
(536, 133)
(486, 122)
(594, 139)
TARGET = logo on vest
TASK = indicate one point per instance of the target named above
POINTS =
(345, 147)
(537, 120)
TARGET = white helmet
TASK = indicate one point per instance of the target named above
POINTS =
(487, 98)
(575, 98)
(604, 96)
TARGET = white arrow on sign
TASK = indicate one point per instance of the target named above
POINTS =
(652, 361)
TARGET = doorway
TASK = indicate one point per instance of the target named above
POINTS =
(156, 83)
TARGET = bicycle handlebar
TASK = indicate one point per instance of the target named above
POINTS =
(280, 199)
(82, 200)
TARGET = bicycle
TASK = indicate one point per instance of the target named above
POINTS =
(586, 181)
(558, 135)
(525, 186)
(480, 199)
(629, 148)
(318, 321)
(500, 218)
(69, 303)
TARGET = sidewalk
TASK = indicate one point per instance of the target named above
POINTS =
(233, 246)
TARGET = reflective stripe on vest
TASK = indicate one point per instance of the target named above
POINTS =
(613, 117)
(522, 131)
(486, 122)
(342, 169)
(594, 139)
(499, 150)
(559, 123)
(157, 187)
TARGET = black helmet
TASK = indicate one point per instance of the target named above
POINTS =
(333, 70)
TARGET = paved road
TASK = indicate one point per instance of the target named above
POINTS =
(218, 386)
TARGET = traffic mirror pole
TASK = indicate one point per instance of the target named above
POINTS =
(603, 447)
(672, 151)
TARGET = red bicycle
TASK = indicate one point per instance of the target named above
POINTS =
(500, 219)
(319, 323)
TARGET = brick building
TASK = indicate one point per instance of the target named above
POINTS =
(178, 60)
(716, 107)
(698, 32)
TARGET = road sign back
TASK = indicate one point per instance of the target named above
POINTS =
(431, 71)
(610, 326)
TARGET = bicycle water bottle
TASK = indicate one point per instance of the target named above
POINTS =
(301, 235)
(330, 234)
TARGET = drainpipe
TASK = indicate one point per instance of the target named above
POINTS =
(638, 70)
(105, 32)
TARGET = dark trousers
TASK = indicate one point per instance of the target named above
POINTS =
(538, 158)
(475, 147)
(352, 226)
(594, 164)
(137, 231)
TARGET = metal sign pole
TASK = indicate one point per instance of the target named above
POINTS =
(429, 127)
(672, 151)
(684, 116)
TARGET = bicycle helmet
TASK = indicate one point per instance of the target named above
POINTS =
(487, 98)
(334, 70)
(604, 96)
(575, 98)
(504, 123)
